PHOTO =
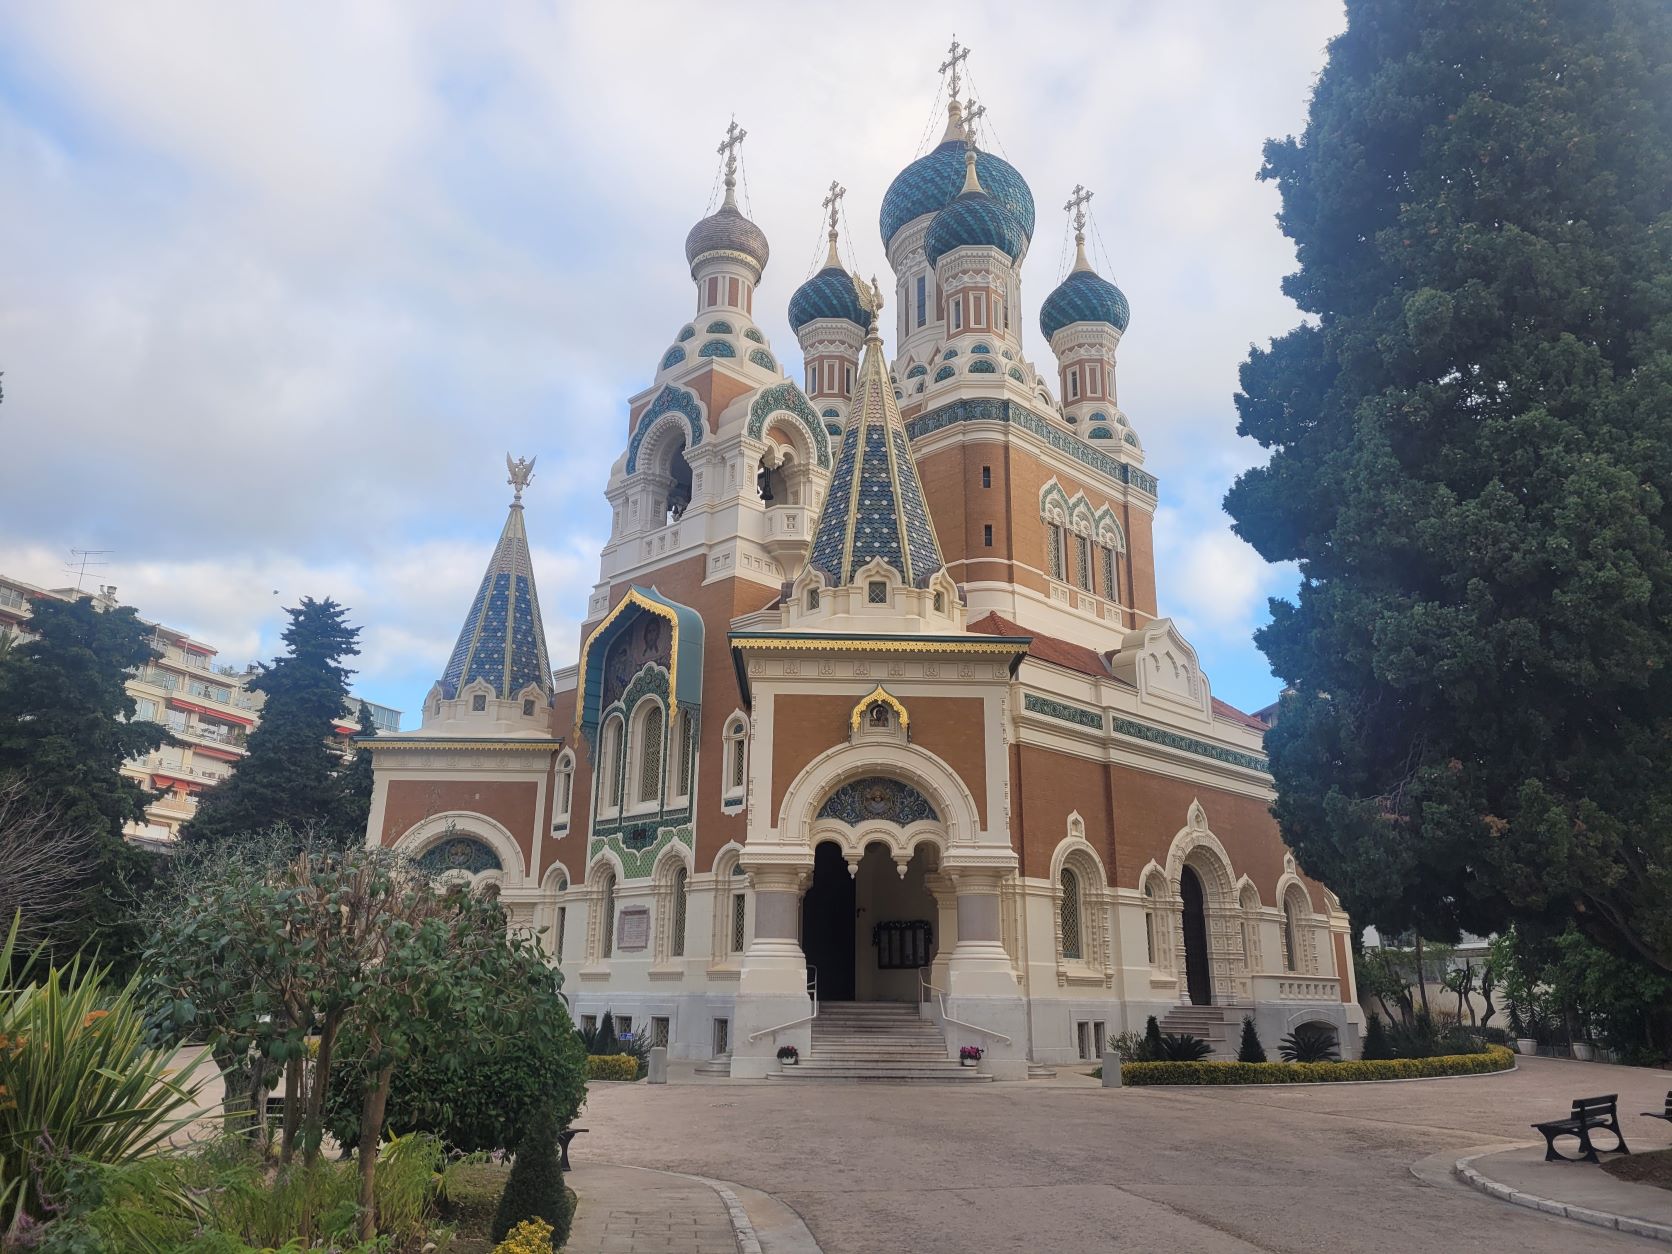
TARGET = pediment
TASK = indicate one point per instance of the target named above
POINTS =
(1162, 665)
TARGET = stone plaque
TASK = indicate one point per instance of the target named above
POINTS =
(632, 929)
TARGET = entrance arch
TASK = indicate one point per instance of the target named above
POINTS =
(828, 923)
(1198, 971)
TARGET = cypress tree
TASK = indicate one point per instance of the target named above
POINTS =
(1471, 463)
(1152, 1041)
(534, 1189)
(289, 778)
(354, 787)
(1250, 1050)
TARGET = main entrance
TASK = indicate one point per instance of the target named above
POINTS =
(868, 932)
(1197, 973)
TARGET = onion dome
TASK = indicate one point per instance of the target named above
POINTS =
(726, 229)
(831, 293)
(930, 183)
(974, 218)
(1084, 296)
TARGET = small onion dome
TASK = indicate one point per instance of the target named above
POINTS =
(1084, 296)
(828, 294)
(974, 218)
(727, 230)
(930, 183)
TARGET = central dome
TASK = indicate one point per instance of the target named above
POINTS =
(931, 182)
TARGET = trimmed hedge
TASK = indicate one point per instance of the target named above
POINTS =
(1496, 1058)
(612, 1067)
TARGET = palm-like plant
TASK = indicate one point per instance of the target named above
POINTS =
(77, 1081)
(1308, 1043)
(1183, 1047)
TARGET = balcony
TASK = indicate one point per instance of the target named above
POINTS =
(1290, 986)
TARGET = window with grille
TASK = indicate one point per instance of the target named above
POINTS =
(1082, 562)
(610, 763)
(624, 1027)
(722, 1037)
(1106, 559)
(739, 917)
(659, 1031)
(734, 754)
(650, 754)
(1053, 545)
(606, 917)
(676, 938)
(987, 535)
(589, 1023)
(565, 787)
(686, 750)
(922, 298)
(557, 934)
(1071, 947)
(877, 592)
(1290, 959)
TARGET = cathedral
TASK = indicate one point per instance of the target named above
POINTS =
(875, 709)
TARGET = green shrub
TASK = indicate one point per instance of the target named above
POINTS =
(1376, 1045)
(1183, 1047)
(1308, 1043)
(1152, 1040)
(531, 1236)
(534, 1189)
(1130, 1047)
(612, 1067)
(1250, 1050)
(1497, 1058)
(1420, 1038)
(468, 1195)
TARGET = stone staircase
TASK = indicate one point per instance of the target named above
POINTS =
(1213, 1024)
(877, 1043)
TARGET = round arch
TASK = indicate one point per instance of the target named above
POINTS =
(425, 834)
(959, 819)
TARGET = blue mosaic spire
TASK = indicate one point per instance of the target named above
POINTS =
(502, 640)
(875, 505)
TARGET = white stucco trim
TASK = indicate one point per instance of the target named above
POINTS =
(428, 832)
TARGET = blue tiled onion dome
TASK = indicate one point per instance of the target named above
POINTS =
(929, 184)
(727, 230)
(828, 294)
(974, 218)
(1084, 296)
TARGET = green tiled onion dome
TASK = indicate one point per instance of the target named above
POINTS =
(1084, 296)
(931, 182)
(974, 218)
(727, 230)
(828, 294)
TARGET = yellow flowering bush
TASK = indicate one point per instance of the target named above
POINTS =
(612, 1067)
(531, 1236)
(1496, 1058)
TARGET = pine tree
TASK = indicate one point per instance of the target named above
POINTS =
(1471, 462)
(1250, 1050)
(66, 726)
(534, 1189)
(288, 779)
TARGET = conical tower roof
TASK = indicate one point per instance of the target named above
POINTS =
(503, 640)
(875, 507)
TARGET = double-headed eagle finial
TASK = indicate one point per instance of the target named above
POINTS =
(522, 470)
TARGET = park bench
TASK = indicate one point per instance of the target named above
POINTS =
(1588, 1113)
(563, 1139)
(1662, 1114)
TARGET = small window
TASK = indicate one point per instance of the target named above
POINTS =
(877, 592)
(676, 938)
(1053, 546)
(1074, 384)
(528, 707)
(1070, 932)
(958, 314)
(478, 703)
(847, 378)
(606, 917)
(659, 1032)
(1082, 562)
(624, 1027)
(986, 476)
(1106, 559)
(650, 733)
(739, 937)
(922, 298)
(722, 1037)
(589, 1023)
(812, 598)
(987, 535)
(714, 291)
(734, 757)
(978, 309)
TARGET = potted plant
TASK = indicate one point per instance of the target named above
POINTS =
(969, 1055)
(788, 1055)
(1526, 1043)
(1584, 1051)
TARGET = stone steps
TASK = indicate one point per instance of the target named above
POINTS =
(877, 1043)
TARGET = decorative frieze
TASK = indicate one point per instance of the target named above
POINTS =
(1036, 704)
(1189, 744)
(637, 853)
(993, 409)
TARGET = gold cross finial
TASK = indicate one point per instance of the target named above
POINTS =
(832, 203)
(956, 55)
(973, 113)
(735, 135)
(1077, 206)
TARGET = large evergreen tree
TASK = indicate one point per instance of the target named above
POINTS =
(66, 727)
(289, 777)
(1472, 463)
(354, 786)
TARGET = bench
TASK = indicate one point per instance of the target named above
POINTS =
(1588, 1113)
(1662, 1114)
(563, 1139)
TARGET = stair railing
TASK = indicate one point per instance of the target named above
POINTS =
(927, 987)
(813, 992)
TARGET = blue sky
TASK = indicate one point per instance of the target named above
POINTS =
(284, 284)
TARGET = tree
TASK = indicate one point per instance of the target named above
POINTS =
(1376, 1043)
(1250, 1050)
(289, 776)
(354, 786)
(66, 727)
(534, 1189)
(1471, 462)
(42, 863)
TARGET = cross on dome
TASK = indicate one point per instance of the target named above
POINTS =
(735, 135)
(973, 113)
(832, 201)
(1076, 205)
(956, 56)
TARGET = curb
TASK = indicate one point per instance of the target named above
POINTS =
(1465, 1171)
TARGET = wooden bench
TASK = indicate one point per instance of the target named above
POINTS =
(563, 1139)
(1662, 1114)
(1588, 1113)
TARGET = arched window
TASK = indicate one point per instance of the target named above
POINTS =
(564, 790)
(684, 751)
(647, 744)
(1149, 920)
(737, 936)
(1106, 561)
(1082, 561)
(609, 765)
(1053, 549)
(676, 936)
(1072, 948)
(735, 741)
(606, 914)
(1291, 933)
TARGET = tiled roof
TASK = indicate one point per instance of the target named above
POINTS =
(502, 640)
(828, 294)
(928, 185)
(1084, 296)
(974, 218)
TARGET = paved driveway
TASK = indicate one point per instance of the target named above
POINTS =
(1063, 1166)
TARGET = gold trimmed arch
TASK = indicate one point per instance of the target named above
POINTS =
(879, 694)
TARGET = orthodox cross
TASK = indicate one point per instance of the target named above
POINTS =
(735, 135)
(522, 470)
(973, 113)
(837, 191)
(956, 55)
(1077, 206)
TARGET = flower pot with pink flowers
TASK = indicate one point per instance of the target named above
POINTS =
(969, 1055)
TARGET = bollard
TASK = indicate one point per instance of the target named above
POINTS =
(1111, 1068)
(658, 1065)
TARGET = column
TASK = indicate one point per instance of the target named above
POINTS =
(984, 1004)
(772, 1007)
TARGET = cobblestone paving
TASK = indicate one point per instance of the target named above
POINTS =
(625, 1211)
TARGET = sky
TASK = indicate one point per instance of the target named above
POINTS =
(283, 284)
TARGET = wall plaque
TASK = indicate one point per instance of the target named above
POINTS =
(632, 928)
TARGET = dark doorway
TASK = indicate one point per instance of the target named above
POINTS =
(1197, 974)
(827, 922)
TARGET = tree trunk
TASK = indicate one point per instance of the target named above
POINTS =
(238, 1116)
(316, 1089)
(371, 1130)
(292, 1107)
(1422, 978)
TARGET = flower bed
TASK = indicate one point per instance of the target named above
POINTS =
(1496, 1058)
(612, 1067)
